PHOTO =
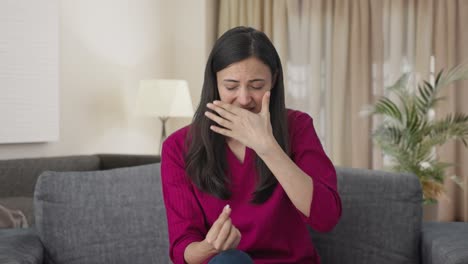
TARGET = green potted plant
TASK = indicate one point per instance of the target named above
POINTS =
(409, 132)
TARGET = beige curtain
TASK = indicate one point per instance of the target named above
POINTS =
(351, 82)
(450, 47)
(305, 61)
(330, 69)
(340, 54)
(268, 16)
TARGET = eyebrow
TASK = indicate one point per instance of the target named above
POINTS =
(236, 81)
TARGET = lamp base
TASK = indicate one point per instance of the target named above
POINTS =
(163, 132)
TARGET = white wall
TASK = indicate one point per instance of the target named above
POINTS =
(193, 32)
(106, 47)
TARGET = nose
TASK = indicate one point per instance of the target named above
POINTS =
(244, 98)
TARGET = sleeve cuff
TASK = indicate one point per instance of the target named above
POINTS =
(325, 209)
(177, 253)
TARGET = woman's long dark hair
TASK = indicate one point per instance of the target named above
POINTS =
(205, 159)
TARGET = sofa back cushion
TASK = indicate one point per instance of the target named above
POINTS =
(18, 176)
(380, 222)
(110, 216)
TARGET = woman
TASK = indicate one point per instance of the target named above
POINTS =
(244, 180)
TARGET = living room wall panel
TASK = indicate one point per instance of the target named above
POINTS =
(29, 71)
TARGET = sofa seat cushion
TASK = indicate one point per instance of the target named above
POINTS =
(112, 216)
(20, 245)
(445, 243)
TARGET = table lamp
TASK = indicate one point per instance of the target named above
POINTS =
(164, 99)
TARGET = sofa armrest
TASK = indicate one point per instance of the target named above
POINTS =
(112, 161)
(18, 245)
(444, 243)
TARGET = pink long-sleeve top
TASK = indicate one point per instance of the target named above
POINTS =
(272, 232)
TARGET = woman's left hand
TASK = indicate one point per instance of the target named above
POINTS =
(251, 129)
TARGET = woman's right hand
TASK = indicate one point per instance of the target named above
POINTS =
(223, 235)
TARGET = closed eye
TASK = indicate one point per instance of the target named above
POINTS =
(230, 84)
(257, 84)
(230, 88)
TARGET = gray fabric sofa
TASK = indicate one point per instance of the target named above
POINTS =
(109, 209)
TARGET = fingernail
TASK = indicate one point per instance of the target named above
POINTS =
(216, 102)
(226, 207)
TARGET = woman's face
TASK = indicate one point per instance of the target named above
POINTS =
(244, 83)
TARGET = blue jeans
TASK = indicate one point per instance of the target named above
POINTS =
(231, 256)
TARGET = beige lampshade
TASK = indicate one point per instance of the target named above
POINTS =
(164, 98)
